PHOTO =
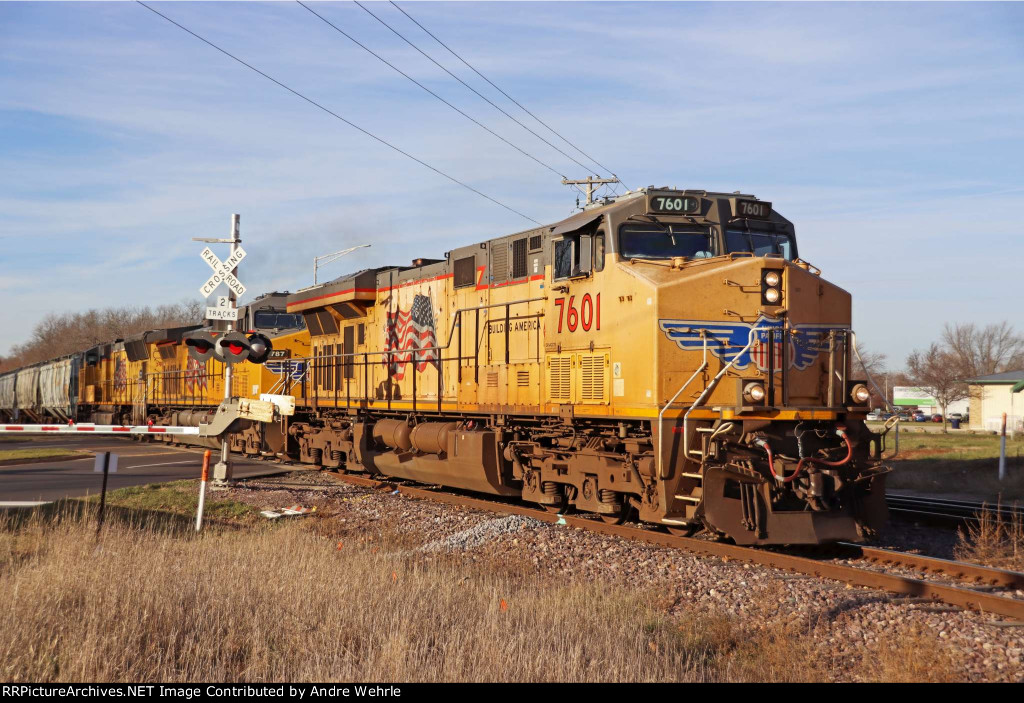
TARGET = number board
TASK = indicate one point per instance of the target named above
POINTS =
(760, 209)
(672, 204)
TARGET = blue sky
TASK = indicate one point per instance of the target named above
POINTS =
(892, 135)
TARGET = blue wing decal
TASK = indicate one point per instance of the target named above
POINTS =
(727, 339)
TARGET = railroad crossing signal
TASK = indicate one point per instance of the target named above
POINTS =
(229, 348)
(222, 272)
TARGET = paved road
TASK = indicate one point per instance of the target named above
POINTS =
(138, 463)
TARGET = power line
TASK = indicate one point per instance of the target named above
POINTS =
(336, 115)
(478, 93)
(406, 75)
(521, 106)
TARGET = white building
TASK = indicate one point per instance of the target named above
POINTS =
(991, 396)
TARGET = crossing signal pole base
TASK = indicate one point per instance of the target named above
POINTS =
(222, 474)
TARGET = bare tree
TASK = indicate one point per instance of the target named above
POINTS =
(938, 370)
(980, 351)
(60, 334)
(871, 365)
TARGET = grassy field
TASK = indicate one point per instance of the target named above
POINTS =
(958, 463)
(152, 601)
(9, 455)
(178, 498)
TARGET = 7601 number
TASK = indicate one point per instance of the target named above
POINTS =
(588, 316)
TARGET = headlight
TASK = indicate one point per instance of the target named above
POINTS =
(860, 394)
(772, 295)
(753, 392)
(771, 278)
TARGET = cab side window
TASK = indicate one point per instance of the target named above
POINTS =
(565, 254)
(577, 255)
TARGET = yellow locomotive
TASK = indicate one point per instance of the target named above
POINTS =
(665, 352)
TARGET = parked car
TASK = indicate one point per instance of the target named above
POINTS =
(919, 416)
(957, 416)
(936, 417)
(874, 415)
(905, 417)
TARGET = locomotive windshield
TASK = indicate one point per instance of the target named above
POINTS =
(272, 319)
(650, 241)
(760, 243)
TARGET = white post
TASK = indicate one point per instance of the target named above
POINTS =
(222, 473)
(1002, 451)
(202, 490)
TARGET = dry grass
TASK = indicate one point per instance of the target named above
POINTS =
(283, 604)
(993, 542)
(151, 601)
(915, 657)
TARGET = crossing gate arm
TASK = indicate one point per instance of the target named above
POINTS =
(229, 417)
(97, 429)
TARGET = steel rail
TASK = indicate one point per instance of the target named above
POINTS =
(893, 583)
(951, 511)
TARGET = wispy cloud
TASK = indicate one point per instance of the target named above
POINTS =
(891, 134)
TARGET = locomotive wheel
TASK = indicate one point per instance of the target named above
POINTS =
(618, 517)
(682, 530)
(558, 507)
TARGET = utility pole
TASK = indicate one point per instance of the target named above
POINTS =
(590, 182)
(328, 258)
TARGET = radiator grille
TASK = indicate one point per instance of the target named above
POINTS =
(522, 378)
(592, 373)
(560, 378)
(499, 263)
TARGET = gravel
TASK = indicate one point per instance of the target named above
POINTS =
(846, 624)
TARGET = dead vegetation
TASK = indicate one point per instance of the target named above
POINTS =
(151, 601)
(992, 541)
(58, 334)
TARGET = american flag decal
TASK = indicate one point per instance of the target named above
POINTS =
(195, 375)
(759, 350)
(120, 374)
(407, 331)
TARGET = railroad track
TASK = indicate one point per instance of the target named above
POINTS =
(978, 596)
(949, 511)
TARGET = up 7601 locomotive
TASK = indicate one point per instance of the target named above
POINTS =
(666, 352)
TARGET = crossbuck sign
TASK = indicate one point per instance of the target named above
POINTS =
(222, 272)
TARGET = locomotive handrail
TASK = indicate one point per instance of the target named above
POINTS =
(661, 414)
(330, 362)
(451, 333)
(884, 397)
(711, 386)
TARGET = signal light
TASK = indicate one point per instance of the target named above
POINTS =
(260, 347)
(233, 347)
(201, 345)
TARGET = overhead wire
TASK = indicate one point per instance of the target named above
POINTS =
(496, 87)
(425, 88)
(339, 117)
(471, 88)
